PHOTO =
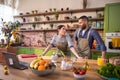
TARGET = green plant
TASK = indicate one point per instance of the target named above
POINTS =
(56, 16)
(34, 26)
(51, 25)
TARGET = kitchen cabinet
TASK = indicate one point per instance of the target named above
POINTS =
(112, 17)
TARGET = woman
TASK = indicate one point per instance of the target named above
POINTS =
(63, 42)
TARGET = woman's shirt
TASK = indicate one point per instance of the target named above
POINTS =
(56, 38)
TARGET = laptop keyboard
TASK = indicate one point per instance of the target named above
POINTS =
(23, 65)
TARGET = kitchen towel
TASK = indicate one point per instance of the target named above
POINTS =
(28, 55)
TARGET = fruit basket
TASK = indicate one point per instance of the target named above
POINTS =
(42, 67)
(43, 72)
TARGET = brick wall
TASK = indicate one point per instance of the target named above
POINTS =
(37, 39)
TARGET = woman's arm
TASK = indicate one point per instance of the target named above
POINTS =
(47, 49)
(74, 52)
(70, 45)
(50, 45)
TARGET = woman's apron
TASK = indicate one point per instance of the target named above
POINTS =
(83, 47)
(63, 46)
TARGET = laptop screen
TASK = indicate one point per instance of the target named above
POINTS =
(11, 59)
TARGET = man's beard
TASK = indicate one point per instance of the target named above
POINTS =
(84, 26)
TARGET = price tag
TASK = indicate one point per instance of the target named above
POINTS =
(11, 61)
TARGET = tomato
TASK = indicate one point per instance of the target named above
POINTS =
(76, 72)
(81, 73)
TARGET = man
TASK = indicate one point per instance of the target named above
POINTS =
(84, 37)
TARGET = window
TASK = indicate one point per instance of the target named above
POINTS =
(6, 13)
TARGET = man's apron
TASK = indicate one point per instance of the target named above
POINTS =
(83, 47)
(63, 46)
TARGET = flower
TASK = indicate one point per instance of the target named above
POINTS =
(9, 29)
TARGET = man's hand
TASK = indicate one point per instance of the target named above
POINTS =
(104, 57)
(103, 54)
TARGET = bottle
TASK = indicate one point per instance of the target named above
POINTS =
(54, 57)
(63, 64)
(86, 66)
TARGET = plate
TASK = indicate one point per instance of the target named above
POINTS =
(107, 78)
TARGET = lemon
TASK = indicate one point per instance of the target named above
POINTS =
(6, 72)
(5, 67)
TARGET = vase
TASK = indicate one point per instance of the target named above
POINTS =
(84, 4)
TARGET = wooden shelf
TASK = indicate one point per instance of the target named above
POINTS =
(63, 12)
(49, 30)
(62, 21)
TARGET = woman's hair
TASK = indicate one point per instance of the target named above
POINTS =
(60, 26)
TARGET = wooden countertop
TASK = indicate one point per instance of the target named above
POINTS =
(15, 74)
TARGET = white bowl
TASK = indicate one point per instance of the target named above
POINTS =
(79, 77)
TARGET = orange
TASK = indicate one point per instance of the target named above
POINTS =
(41, 67)
(47, 61)
(42, 62)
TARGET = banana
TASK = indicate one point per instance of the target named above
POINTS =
(40, 58)
(33, 63)
(36, 65)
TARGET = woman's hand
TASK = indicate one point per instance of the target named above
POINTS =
(41, 54)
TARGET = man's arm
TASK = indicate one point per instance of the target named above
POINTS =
(100, 41)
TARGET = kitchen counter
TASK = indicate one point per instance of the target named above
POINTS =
(15, 74)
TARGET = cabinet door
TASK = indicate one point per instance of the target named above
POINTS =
(112, 17)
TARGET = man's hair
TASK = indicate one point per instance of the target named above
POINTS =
(84, 17)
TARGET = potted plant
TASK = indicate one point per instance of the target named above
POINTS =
(54, 9)
(34, 25)
(62, 9)
(51, 25)
(56, 16)
(50, 9)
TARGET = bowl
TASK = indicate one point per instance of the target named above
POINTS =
(79, 77)
(43, 72)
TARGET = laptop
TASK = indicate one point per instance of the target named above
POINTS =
(13, 61)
